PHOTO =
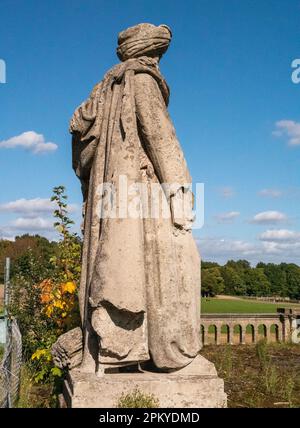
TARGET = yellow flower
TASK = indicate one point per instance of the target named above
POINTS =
(59, 304)
(49, 311)
(68, 287)
(38, 354)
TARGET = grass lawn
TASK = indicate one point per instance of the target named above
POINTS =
(215, 305)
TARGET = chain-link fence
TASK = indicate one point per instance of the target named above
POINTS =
(10, 366)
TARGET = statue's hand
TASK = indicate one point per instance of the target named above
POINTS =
(181, 204)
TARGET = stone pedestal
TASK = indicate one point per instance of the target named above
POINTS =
(197, 385)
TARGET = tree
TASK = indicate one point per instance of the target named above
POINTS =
(292, 272)
(239, 265)
(40, 248)
(206, 265)
(212, 282)
(257, 284)
(277, 278)
(266, 279)
(234, 283)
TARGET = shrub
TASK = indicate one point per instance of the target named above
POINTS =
(261, 349)
(137, 399)
(271, 379)
(44, 295)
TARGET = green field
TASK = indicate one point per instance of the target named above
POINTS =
(215, 305)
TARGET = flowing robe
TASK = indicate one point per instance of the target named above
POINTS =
(140, 286)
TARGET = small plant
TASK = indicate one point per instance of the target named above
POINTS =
(32, 394)
(271, 379)
(227, 361)
(288, 388)
(138, 399)
(251, 400)
(261, 349)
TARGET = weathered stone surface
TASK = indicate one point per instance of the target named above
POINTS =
(190, 387)
(140, 285)
(140, 280)
(67, 350)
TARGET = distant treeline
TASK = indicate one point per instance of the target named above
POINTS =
(234, 278)
(239, 278)
(23, 249)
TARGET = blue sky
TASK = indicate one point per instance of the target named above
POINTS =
(233, 103)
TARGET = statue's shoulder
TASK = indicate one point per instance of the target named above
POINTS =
(145, 83)
(151, 86)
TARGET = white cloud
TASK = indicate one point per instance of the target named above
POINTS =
(227, 217)
(266, 250)
(31, 224)
(226, 192)
(223, 249)
(21, 225)
(280, 235)
(282, 243)
(9, 233)
(33, 216)
(269, 217)
(272, 193)
(211, 247)
(6, 235)
(37, 205)
(31, 141)
(290, 129)
(29, 207)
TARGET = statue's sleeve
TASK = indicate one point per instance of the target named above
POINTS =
(158, 133)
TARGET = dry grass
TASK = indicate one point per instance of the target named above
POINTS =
(262, 375)
(33, 395)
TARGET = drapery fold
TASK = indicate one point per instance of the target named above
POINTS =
(140, 276)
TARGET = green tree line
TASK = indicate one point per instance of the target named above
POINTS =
(241, 279)
(23, 249)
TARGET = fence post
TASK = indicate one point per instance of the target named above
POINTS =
(7, 296)
(7, 282)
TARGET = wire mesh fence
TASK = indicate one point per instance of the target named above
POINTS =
(10, 366)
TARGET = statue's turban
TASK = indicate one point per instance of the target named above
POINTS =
(143, 39)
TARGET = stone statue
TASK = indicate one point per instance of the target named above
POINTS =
(140, 285)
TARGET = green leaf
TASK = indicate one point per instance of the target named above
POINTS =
(55, 371)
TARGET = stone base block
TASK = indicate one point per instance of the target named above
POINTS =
(195, 386)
